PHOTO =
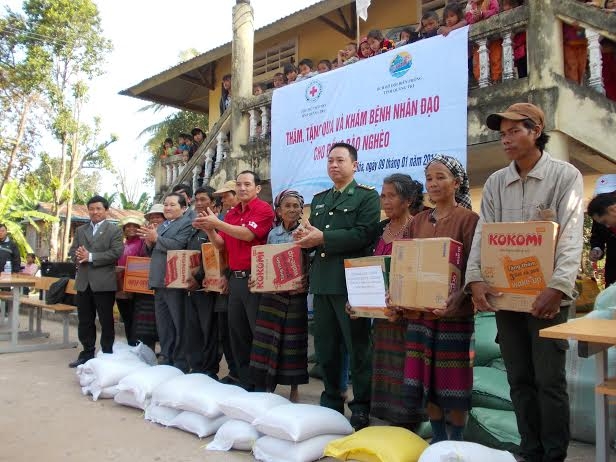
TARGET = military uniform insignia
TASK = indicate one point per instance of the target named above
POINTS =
(365, 186)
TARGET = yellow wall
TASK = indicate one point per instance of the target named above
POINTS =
(316, 40)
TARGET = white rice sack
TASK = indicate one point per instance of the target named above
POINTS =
(249, 406)
(127, 398)
(298, 422)
(122, 355)
(462, 451)
(234, 434)
(194, 392)
(143, 381)
(269, 449)
(160, 414)
(197, 424)
(145, 353)
(104, 393)
(108, 373)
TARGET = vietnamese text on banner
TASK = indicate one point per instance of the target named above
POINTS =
(398, 109)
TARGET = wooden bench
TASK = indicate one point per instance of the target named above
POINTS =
(37, 306)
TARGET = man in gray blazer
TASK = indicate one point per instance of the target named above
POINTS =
(95, 250)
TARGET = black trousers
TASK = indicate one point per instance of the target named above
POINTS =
(126, 307)
(536, 374)
(243, 306)
(170, 310)
(224, 341)
(89, 304)
(201, 332)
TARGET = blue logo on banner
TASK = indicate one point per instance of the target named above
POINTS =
(314, 89)
(401, 64)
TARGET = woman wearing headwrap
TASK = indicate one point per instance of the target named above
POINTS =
(438, 372)
(280, 344)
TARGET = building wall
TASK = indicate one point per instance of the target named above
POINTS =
(317, 40)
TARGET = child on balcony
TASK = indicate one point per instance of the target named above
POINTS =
(478, 10)
(305, 70)
(182, 143)
(378, 43)
(348, 55)
(453, 17)
(278, 80)
(168, 149)
(429, 25)
(519, 42)
(407, 35)
(225, 94)
(290, 72)
(325, 65)
(364, 50)
(576, 53)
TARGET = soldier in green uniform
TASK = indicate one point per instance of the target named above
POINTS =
(343, 221)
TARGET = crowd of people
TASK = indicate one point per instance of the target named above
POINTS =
(414, 366)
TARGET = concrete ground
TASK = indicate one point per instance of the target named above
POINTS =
(45, 417)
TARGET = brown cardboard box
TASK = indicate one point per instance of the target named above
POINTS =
(180, 265)
(518, 260)
(136, 274)
(424, 272)
(277, 267)
(215, 266)
(384, 262)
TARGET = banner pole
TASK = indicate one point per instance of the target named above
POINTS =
(357, 27)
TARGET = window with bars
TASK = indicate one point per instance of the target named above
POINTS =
(270, 61)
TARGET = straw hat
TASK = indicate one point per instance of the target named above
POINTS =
(128, 220)
(227, 187)
(156, 208)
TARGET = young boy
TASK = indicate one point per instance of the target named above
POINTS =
(378, 43)
(348, 55)
(429, 25)
(290, 72)
(325, 65)
(278, 80)
(182, 143)
(305, 70)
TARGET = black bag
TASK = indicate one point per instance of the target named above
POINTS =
(55, 293)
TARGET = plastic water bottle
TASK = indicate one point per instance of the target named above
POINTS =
(8, 268)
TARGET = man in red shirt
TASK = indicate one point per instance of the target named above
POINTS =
(244, 226)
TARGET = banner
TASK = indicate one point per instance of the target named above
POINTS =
(398, 109)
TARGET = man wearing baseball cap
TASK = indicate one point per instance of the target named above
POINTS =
(535, 186)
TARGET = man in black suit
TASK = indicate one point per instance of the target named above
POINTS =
(95, 250)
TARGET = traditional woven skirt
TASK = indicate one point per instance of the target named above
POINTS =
(280, 344)
(439, 366)
(388, 358)
(144, 322)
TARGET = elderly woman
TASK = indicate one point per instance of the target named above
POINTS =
(438, 372)
(172, 234)
(133, 247)
(401, 198)
(144, 321)
(280, 346)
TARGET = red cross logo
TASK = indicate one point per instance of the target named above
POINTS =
(313, 91)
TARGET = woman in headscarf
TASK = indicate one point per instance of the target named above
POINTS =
(438, 372)
(280, 344)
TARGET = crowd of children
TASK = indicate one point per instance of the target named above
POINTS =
(458, 14)
(187, 145)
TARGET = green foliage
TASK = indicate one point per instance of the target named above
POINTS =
(17, 206)
(143, 204)
(170, 127)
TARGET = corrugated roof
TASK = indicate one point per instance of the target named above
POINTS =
(171, 86)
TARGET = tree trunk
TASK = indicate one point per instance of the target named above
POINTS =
(69, 216)
(23, 118)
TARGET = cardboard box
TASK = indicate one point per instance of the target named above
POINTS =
(136, 274)
(215, 266)
(518, 260)
(424, 272)
(181, 265)
(277, 267)
(384, 262)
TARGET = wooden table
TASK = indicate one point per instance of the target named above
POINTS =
(16, 282)
(594, 337)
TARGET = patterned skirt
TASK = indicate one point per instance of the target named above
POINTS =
(439, 365)
(280, 344)
(144, 322)
(388, 357)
